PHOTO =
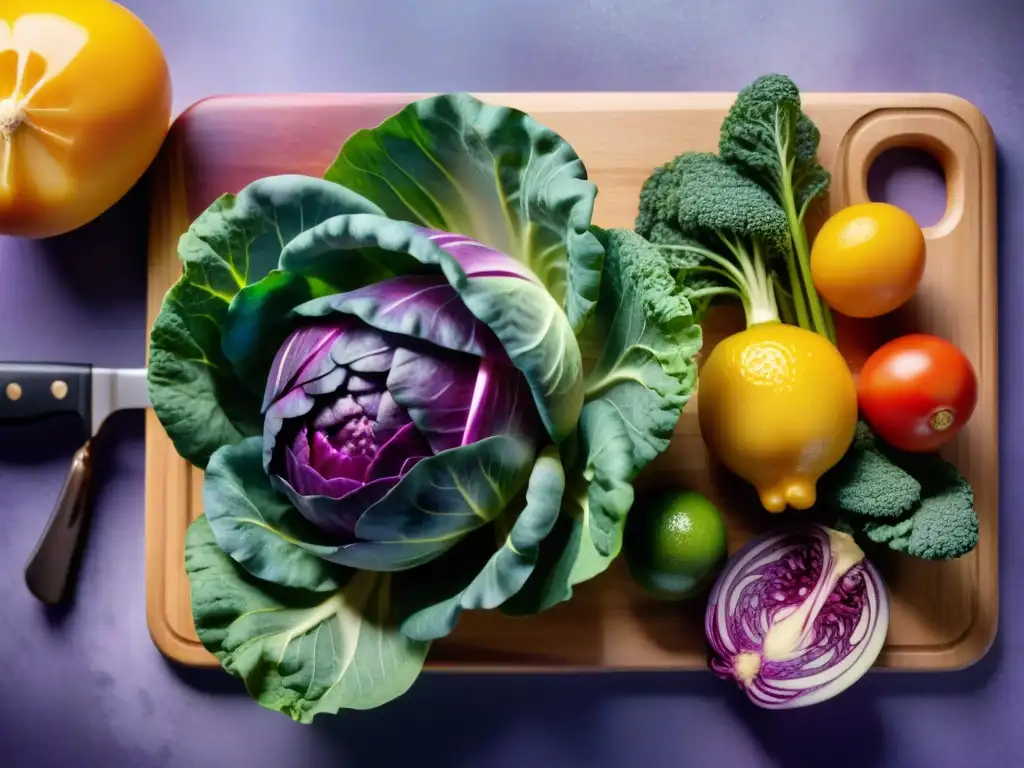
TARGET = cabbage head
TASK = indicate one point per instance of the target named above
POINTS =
(382, 373)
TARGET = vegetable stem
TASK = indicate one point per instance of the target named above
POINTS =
(734, 274)
(713, 270)
(761, 305)
(799, 304)
(749, 273)
(803, 259)
(784, 301)
(706, 292)
(830, 325)
(754, 285)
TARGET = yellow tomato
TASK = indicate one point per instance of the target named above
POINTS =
(868, 259)
(777, 405)
(85, 103)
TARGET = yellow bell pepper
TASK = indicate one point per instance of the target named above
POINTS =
(85, 103)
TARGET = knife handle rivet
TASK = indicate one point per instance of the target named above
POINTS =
(59, 389)
(13, 391)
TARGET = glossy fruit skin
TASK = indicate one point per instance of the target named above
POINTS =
(87, 118)
(777, 405)
(917, 392)
(674, 543)
(868, 259)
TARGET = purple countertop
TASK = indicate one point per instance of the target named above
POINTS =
(86, 686)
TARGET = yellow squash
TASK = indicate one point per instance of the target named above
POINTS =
(777, 405)
(85, 103)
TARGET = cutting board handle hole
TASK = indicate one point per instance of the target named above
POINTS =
(911, 178)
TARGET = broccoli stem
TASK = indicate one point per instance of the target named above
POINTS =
(713, 270)
(802, 284)
(728, 269)
(754, 285)
(784, 301)
(760, 293)
(830, 326)
(704, 293)
(821, 320)
(799, 302)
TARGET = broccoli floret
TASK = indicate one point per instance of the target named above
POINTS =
(768, 138)
(657, 218)
(914, 503)
(716, 203)
(865, 482)
(724, 232)
(764, 112)
(943, 525)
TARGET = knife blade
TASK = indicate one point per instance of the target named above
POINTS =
(34, 391)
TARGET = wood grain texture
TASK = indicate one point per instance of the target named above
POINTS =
(944, 615)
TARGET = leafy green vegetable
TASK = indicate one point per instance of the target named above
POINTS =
(234, 243)
(868, 483)
(439, 501)
(442, 499)
(539, 343)
(722, 229)
(298, 652)
(389, 398)
(634, 397)
(767, 136)
(258, 528)
(490, 173)
(530, 327)
(914, 503)
(453, 587)
(641, 383)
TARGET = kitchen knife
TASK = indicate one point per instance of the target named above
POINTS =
(34, 391)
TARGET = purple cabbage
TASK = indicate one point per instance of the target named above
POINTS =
(796, 616)
(351, 407)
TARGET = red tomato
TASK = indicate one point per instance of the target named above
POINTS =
(917, 392)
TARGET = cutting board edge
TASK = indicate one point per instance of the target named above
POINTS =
(567, 101)
(570, 100)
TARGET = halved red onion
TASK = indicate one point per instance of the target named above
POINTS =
(796, 616)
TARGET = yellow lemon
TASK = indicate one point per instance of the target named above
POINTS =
(777, 405)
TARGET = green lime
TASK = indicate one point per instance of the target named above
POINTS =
(674, 543)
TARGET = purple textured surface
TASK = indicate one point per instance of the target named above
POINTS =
(85, 686)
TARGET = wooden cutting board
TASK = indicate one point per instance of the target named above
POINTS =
(944, 614)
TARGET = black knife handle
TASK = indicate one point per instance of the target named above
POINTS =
(30, 391)
(48, 569)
